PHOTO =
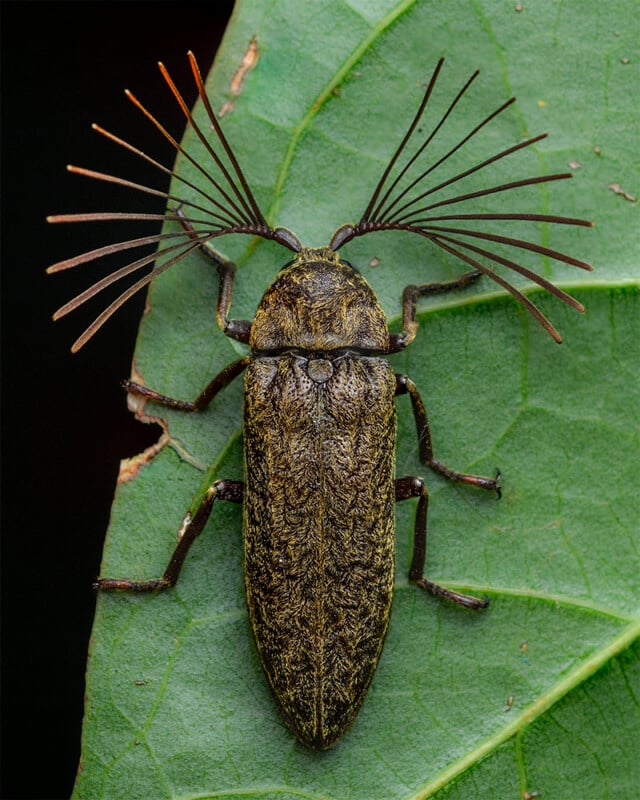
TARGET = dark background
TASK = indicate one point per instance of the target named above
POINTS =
(65, 426)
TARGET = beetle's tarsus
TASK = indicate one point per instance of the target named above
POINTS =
(156, 397)
(466, 600)
(481, 481)
(126, 585)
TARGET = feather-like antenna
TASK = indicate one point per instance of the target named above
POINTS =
(396, 206)
(223, 204)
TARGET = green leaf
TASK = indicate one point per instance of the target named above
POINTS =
(538, 693)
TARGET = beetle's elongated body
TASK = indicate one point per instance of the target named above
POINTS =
(319, 444)
(319, 412)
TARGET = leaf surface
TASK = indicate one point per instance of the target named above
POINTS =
(538, 693)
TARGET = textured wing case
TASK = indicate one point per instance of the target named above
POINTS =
(319, 531)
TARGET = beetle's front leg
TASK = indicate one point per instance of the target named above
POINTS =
(239, 329)
(405, 385)
(415, 487)
(191, 528)
(410, 297)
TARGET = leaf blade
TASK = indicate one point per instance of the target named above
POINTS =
(203, 717)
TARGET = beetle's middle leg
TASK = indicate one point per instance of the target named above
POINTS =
(415, 487)
(192, 526)
(218, 383)
(404, 385)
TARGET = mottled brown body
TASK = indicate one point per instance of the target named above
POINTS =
(319, 438)
(320, 485)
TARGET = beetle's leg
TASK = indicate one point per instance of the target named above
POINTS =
(191, 528)
(410, 297)
(221, 380)
(235, 328)
(405, 385)
(415, 487)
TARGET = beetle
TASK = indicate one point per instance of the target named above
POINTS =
(319, 412)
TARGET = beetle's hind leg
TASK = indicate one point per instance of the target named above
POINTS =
(191, 528)
(404, 385)
(415, 487)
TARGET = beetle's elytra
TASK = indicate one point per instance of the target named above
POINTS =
(319, 411)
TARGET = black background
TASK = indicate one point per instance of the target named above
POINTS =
(65, 426)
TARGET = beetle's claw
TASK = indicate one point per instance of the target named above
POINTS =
(498, 483)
